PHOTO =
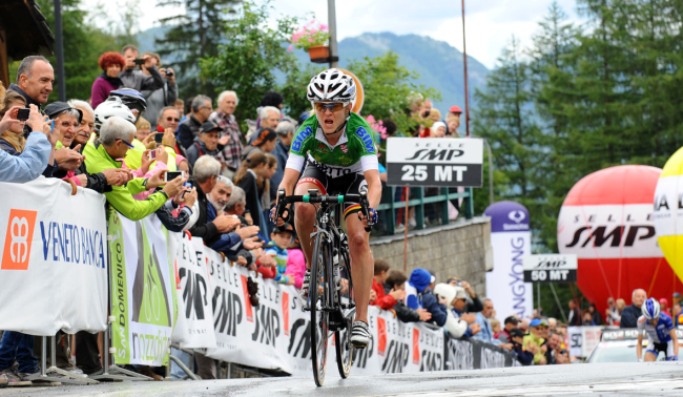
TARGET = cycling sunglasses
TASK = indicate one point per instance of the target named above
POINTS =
(333, 106)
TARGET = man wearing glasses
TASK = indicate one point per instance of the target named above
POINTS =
(116, 135)
(341, 158)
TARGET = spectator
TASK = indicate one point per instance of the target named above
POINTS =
(483, 319)
(677, 314)
(35, 77)
(496, 329)
(459, 307)
(383, 300)
(285, 133)
(114, 141)
(200, 111)
(437, 130)
(133, 77)
(453, 121)
(612, 316)
(205, 144)
(12, 139)
(523, 356)
(574, 318)
(37, 152)
(629, 317)
(455, 326)
(111, 63)
(664, 306)
(509, 324)
(596, 318)
(263, 141)
(396, 281)
(534, 341)
(252, 168)
(102, 181)
(296, 262)
(419, 295)
(555, 353)
(167, 124)
(280, 239)
(268, 117)
(474, 305)
(230, 133)
(163, 96)
(210, 225)
(237, 205)
(66, 121)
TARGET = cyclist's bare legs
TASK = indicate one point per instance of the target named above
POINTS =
(362, 264)
(304, 220)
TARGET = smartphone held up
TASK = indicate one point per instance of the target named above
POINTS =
(171, 175)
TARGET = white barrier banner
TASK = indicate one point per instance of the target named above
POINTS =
(276, 334)
(53, 273)
(143, 290)
(583, 340)
(194, 323)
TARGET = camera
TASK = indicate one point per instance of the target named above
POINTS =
(158, 137)
(188, 187)
(169, 72)
(171, 175)
(23, 114)
(425, 114)
(139, 61)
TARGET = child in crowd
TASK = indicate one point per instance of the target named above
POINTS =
(281, 238)
(385, 301)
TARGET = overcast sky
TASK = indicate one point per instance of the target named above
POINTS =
(490, 23)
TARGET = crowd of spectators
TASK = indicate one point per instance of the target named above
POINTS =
(455, 306)
(199, 171)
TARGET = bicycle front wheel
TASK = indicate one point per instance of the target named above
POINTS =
(320, 325)
(342, 337)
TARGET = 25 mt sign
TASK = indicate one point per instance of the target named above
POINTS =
(434, 162)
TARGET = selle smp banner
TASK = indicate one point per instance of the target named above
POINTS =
(53, 274)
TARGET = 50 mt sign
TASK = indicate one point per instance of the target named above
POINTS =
(549, 276)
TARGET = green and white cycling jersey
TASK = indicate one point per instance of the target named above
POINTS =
(355, 152)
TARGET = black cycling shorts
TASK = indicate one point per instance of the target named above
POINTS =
(352, 183)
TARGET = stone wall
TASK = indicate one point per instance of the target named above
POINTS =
(462, 249)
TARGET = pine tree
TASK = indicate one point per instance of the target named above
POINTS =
(507, 120)
(195, 33)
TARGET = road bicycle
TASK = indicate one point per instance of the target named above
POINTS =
(330, 297)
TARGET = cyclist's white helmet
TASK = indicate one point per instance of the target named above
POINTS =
(332, 85)
(651, 309)
(112, 107)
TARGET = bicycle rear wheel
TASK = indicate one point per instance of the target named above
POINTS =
(342, 338)
(320, 326)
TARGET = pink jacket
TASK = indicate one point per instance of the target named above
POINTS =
(296, 265)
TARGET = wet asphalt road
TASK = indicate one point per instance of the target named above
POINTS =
(632, 379)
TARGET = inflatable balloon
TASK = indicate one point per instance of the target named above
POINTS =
(606, 220)
(668, 212)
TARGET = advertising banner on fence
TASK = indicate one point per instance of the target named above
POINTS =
(143, 291)
(511, 242)
(53, 273)
(194, 323)
(582, 340)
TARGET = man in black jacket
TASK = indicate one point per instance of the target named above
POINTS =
(629, 317)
